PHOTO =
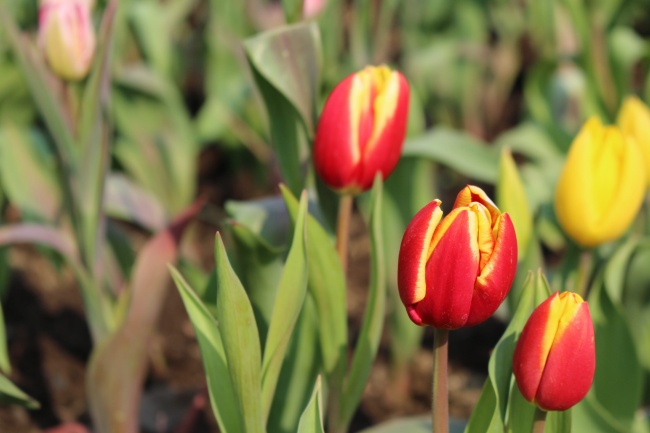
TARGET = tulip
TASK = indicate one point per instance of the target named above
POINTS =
(601, 186)
(67, 37)
(633, 119)
(361, 129)
(555, 356)
(455, 272)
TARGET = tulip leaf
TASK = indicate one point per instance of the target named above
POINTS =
(311, 420)
(286, 65)
(95, 137)
(114, 403)
(485, 418)
(590, 416)
(222, 394)
(511, 198)
(24, 155)
(5, 364)
(535, 291)
(456, 150)
(618, 381)
(635, 297)
(11, 394)
(373, 318)
(123, 199)
(266, 217)
(286, 308)
(289, 59)
(328, 288)
(241, 342)
(260, 267)
(300, 369)
(42, 85)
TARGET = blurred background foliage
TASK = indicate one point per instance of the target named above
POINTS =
(196, 88)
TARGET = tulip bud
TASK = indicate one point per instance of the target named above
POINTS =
(555, 356)
(361, 129)
(601, 186)
(633, 119)
(456, 272)
(67, 37)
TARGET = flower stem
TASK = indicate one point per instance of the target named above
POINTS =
(584, 271)
(539, 420)
(343, 228)
(440, 400)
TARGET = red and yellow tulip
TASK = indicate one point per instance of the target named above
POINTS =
(361, 129)
(455, 272)
(555, 357)
(67, 37)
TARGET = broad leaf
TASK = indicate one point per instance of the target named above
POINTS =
(286, 308)
(220, 388)
(456, 150)
(241, 342)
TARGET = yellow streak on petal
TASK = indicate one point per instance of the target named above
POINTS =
(485, 236)
(562, 311)
(360, 101)
(442, 228)
(421, 284)
(386, 84)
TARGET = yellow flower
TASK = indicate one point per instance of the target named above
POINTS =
(634, 120)
(601, 186)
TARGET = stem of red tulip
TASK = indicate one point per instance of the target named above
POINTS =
(440, 399)
(343, 228)
(539, 421)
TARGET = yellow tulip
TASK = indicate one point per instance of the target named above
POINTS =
(601, 186)
(634, 120)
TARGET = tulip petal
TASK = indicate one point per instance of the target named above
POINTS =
(496, 277)
(533, 348)
(384, 147)
(414, 252)
(450, 274)
(569, 370)
(472, 193)
(334, 157)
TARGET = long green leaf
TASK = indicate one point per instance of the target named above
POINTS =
(373, 319)
(286, 309)
(327, 286)
(311, 420)
(41, 84)
(240, 340)
(94, 141)
(286, 65)
(5, 365)
(456, 150)
(301, 367)
(11, 394)
(116, 371)
(213, 355)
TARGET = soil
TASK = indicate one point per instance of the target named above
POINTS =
(49, 345)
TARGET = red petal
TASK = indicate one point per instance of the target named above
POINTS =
(414, 252)
(496, 278)
(530, 355)
(569, 370)
(450, 275)
(332, 150)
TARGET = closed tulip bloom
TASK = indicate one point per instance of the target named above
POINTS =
(67, 37)
(555, 356)
(361, 130)
(601, 186)
(455, 272)
(634, 119)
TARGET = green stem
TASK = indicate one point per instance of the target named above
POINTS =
(539, 421)
(440, 398)
(584, 271)
(343, 229)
